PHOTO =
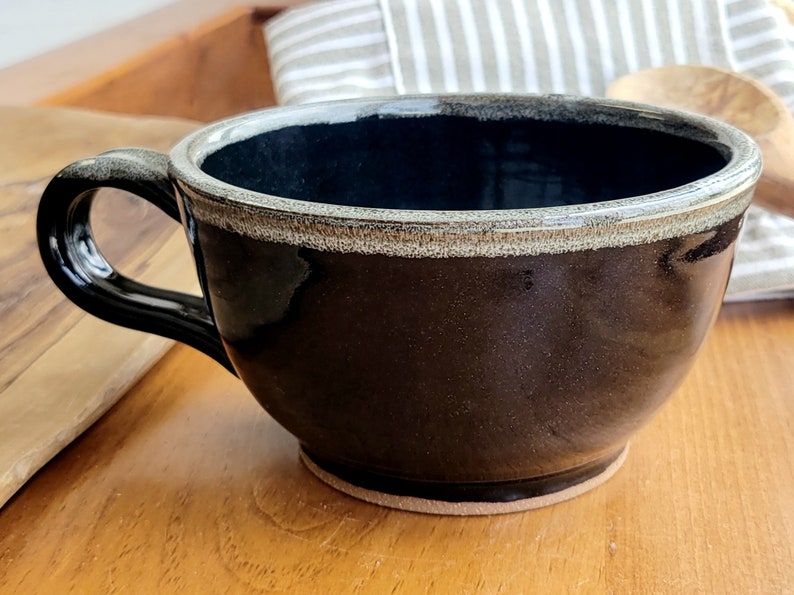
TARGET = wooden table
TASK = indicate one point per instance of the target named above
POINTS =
(187, 484)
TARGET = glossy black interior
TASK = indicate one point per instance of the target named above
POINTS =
(447, 162)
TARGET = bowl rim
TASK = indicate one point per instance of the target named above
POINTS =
(695, 206)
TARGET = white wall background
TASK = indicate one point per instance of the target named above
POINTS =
(32, 27)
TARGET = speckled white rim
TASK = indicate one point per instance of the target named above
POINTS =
(440, 507)
(691, 208)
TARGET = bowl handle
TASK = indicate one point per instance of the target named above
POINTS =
(81, 272)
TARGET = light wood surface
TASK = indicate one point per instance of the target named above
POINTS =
(215, 70)
(187, 485)
(93, 63)
(62, 369)
(196, 59)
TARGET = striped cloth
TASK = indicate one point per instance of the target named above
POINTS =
(357, 48)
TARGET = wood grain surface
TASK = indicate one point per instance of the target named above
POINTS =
(122, 49)
(61, 369)
(218, 69)
(187, 485)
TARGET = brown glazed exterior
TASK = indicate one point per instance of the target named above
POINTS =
(472, 300)
(465, 378)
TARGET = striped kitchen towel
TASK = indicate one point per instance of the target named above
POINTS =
(356, 48)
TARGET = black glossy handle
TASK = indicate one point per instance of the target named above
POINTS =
(77, 267)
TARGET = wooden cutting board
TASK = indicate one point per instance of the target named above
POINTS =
(60, 368)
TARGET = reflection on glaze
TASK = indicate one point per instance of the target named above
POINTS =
(413, 365)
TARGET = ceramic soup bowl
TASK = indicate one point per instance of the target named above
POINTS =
(459, 304)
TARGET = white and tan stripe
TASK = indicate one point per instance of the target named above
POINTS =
(552, 36)
(501, 52)
(566, 46)
(603, 41)
(760, 45)
(313, 13)
(416, 40)
(322, 27)
(330, 50)
(476, 61)
(525, 43)
(354, 48)
(655, 53)
(446, 48)
(766, 248)
(521, 45)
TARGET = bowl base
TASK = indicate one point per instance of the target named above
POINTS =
(493, 498)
